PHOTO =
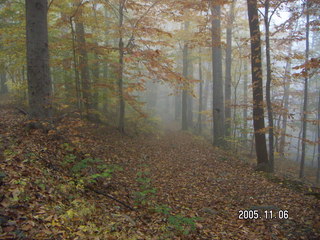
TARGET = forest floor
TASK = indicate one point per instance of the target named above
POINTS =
(59, 184)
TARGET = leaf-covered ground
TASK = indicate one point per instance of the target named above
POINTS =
(179, 186)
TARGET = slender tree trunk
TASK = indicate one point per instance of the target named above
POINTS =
(277, 136)
(83, 62)
(256, 69)
(205, 102)
(252, 145)
(190, 110)
(190, 98)
(200, 96)
(3, 81)
(120, 71)
(96, 66)
(305, 100)
(67, 82)
(217, 100)
(185, 90)
(3, 77)
(227, 86)
(105, 73)
(67, 62)
(177, 104)
(318, 126)
(268, 87)
(235, 100)
(95, 76)
(76, 71)
(299, 141)
(315, 137)
(38, 70)
(245, 102)
(286, 102)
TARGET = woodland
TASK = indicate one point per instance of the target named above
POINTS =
(159, 119)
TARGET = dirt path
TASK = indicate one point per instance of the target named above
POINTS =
(194, 175)
(198, 180)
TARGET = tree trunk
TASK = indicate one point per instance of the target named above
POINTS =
(318, 128)
(3, 77)
(217, 99)
(106, 69)
(305, 99)
(83, 62)
(95, 77)
(245, 102)
(177, 106)
(190, 97)
(205, 102)
(235, 99)
(3, 81)
(286, 102)
(227, 88)
(38, 70)
(120, 70)
(185, 73)
(76, 71)
(200, 96)
(257, 89)
(96, 65)
(268, 87)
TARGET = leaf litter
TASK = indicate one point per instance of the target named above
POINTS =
(41, 198)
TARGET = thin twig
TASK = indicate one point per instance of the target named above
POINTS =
(111, 197)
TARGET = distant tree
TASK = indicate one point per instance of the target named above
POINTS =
(218, 101)
(83, 60)
(200, 95)
(286, 86)
(257, 88)
(185, 72)
(318, 130)
(305, 98)
(227, 88)
(245, 101)
(38, 71)
(120, 69)
(267, 20)
(3, 80)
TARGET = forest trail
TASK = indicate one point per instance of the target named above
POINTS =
(41, 199)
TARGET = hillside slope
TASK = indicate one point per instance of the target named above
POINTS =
(84, 181)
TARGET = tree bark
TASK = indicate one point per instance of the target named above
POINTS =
(177, 104)
(257, 89)
(200, 96)
(120, 70)
(76, 71)
(96, 65)
(38, 70)
(318, 128)
(305, 99)
(205, 102)
(245, 102)
(106, 68)
(268, 87)
(190, 97)
(217, 99)
(3, 81)
(83, 62)
(286, 101)
(185, 73)
(227, 88)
